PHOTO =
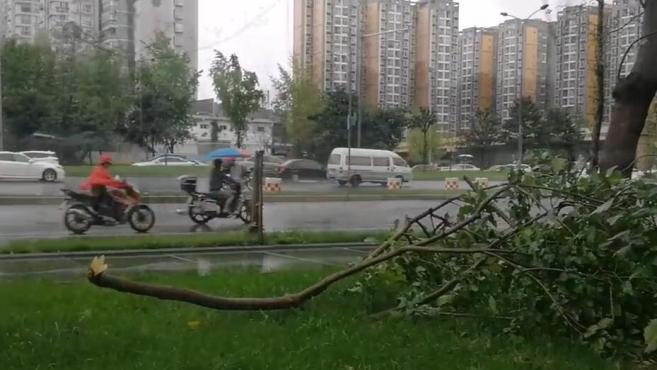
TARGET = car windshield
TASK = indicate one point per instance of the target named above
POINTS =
(334, 159)
(38, 155)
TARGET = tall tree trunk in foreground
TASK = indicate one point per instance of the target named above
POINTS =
(632, 97)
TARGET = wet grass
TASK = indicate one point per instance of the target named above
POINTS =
(76, 244)
(74, 325)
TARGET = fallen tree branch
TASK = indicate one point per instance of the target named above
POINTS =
(98, 276)
(453, 282)
(391, 241)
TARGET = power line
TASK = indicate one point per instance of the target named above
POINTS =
(244, 28)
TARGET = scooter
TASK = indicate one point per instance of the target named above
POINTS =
(121, 207)
(202, 208)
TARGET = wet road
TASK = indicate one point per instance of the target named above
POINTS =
(37, 222)
(170, 186)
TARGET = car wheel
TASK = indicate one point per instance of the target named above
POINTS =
(342, 183)
(49, 175)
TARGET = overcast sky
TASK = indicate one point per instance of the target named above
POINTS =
(260, 31)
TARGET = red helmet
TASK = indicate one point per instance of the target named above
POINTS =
(105, 159)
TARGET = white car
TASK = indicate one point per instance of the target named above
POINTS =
(40, 155)
(21, 167)
(461, 167)
(169, 161)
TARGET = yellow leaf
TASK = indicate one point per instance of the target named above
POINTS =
(97, 266)
(194, 325)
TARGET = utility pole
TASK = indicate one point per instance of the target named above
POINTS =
(520, 62)
(2, 122)
(519, 65)
(360, 47)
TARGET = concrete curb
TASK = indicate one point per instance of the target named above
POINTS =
(279, 198)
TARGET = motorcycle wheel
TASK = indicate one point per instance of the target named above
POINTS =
(76, 222)
(141, 218)
(245, 212)
(198, 216)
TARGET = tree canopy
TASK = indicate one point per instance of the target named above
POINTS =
(238, 90)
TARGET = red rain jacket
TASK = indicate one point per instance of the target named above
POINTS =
(100, 176)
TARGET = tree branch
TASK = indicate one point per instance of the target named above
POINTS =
(98, 276)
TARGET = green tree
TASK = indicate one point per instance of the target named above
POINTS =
(424, 147)
(297, 100)
(238, 91)
(485, 131)
(282, 84)
(96, 104)
(331, 125)
(424, 121)
(559, 132)
(531, 123)
(165, 91)
(384, 128)
(28, 88)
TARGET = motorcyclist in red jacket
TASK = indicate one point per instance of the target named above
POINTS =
(100, 179)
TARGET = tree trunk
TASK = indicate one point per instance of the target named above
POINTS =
(600, 81)
(645, 151)
(632, 97)
(239, 139)
(425, 147)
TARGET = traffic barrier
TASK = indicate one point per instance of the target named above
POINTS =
(272, 185)
(482, 182)
(452, 183)
(394, 183)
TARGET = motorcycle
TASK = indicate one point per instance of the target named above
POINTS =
(83, 210)
(201, 207)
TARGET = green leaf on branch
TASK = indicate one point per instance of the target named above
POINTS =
(650, 336)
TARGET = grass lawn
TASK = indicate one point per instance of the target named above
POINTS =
(74, 325)
(74, 244)
(441, 175)
(127, 171)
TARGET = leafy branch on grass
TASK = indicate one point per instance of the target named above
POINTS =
(549, 250)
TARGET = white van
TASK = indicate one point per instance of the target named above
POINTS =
(367, 165)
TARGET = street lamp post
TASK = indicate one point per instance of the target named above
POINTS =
(519, 75)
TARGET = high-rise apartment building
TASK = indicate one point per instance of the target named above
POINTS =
(388, 53)
(24, 20)
(476, 73)
(437, 31)
(131, 25)
(393, 52)
(325, 41)
(117, 26)
(522, 64)
(576, 61)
